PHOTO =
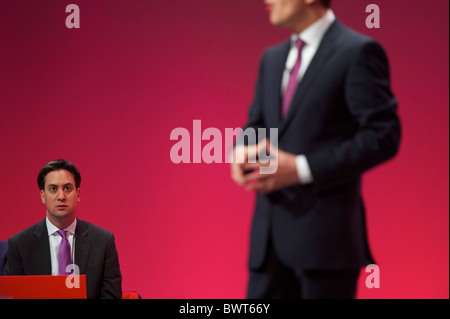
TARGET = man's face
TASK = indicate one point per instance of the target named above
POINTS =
(285, 13)
(60, 195)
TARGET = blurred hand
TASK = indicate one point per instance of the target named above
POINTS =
(240, 160)
(246, 172)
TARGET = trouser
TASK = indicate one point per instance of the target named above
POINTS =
(274, 280)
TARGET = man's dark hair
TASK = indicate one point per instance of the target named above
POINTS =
(57, 165)
(326, 3)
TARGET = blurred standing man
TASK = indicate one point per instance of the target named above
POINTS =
(327, 90)
(48, 247)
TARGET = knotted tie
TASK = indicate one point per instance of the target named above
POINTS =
(293, 79)
(64, 256)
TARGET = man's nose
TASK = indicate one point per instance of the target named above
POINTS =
(61, 195)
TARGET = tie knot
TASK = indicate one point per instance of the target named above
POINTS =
(299, 44)
(62, 233)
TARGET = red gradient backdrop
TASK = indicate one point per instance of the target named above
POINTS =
(107, 96)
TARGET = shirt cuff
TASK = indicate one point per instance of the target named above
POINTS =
(303, 170)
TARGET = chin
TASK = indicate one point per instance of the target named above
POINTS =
(278, 23)
(275, 23)
(61, 214)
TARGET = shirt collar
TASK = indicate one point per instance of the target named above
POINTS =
(315, 32)
(53, 229)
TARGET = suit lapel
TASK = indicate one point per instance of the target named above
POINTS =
(325, 49)
(275, 75)
(41, 250)
(82, 246)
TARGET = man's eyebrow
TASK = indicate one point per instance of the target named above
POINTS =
(53, 185)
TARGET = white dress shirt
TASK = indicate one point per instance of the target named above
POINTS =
(312, 36)
(55, 241)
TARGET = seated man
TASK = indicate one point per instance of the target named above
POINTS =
(60, 240)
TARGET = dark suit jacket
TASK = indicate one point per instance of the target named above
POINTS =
(343, 118)
(3, 250)
(95, 255)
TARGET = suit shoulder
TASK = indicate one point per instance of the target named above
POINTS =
(351, 45)
(27, 233)
(89, 227)
(281, 46)
(351, 39)
(276, 50)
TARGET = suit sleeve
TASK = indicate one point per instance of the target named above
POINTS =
(374, 109)
(111, 286)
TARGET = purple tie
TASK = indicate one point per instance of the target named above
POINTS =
(293, 79)
(64, 256)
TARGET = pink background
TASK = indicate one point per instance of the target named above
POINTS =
(106, 96)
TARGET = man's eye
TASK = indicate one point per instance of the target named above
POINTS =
(52, 189)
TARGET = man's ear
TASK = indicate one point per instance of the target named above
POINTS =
(78, 194)
(42, 196)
